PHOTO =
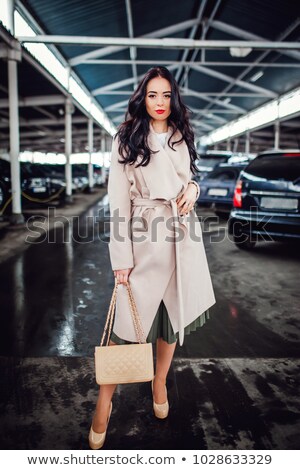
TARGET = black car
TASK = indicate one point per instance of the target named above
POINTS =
(35, 185)
(267, 199)
(210, 160)
(217, 188)
(207, 162)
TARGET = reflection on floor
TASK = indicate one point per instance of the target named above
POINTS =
(47, 403)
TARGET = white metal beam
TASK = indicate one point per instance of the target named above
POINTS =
(221, 111)
(218, 102)
(215, 118)
(184, 80)
(132, 49)
(163, 43)
(293, 65)
(58, 133)
(36, 101)
(116, 106)
(186, 63)
(191, 36)
(187, 93)
(47, 122)
(122, 83)
(194, 110)
(174, 28)
(241, 33)
(202, 124)
(232, 80)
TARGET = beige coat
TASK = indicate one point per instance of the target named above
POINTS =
(165, 251)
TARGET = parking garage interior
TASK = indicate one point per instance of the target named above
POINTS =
(234, 384)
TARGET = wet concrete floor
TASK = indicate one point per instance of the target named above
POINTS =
(234, 384)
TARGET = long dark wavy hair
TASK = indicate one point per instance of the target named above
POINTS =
(134, 130)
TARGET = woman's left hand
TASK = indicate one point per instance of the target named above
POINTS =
(186, 201)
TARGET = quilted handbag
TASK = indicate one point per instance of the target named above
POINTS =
(124, 363)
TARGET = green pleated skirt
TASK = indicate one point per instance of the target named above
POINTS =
(162, 327)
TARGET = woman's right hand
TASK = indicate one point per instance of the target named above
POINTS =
(122, 275)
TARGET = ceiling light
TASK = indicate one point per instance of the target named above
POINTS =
(286, 105)
(256, 76)
(240, 51)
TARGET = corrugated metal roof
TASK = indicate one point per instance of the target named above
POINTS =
(267, 19)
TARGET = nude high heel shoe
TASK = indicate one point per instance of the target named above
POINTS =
(161, 410)
(96, 439)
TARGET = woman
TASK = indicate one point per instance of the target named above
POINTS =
(155, 237)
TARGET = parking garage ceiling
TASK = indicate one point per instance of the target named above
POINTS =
(217, 85)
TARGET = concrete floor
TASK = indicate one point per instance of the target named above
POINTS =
(234, 384)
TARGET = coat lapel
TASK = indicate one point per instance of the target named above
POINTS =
(166, 174)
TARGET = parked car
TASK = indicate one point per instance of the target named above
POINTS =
(56, 172)
(55, 188)
(217, 188)
(34, 185)
(266, 203)
(99, 175)
(210, 160)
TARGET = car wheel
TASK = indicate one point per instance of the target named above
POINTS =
(243, 242)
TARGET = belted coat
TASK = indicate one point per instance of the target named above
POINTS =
(165, 250)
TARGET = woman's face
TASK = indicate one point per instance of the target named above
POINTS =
(158, 98)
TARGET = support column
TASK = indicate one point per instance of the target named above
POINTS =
(68, 148)
(10, 16)
(14, 139)
(103, 150)
(247, 143)
(277, 135)
(91, 146)
(14, 135)
(228, 145)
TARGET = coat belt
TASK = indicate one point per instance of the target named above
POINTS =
(138, 201)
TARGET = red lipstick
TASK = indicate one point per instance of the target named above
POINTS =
(160, 111)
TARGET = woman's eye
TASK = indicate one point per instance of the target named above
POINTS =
(153, 96)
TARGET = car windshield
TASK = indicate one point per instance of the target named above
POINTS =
(276, 167)
(224, 174)
(210, 162)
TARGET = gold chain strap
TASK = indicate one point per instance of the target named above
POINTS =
(135, 316)
(111, 313)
